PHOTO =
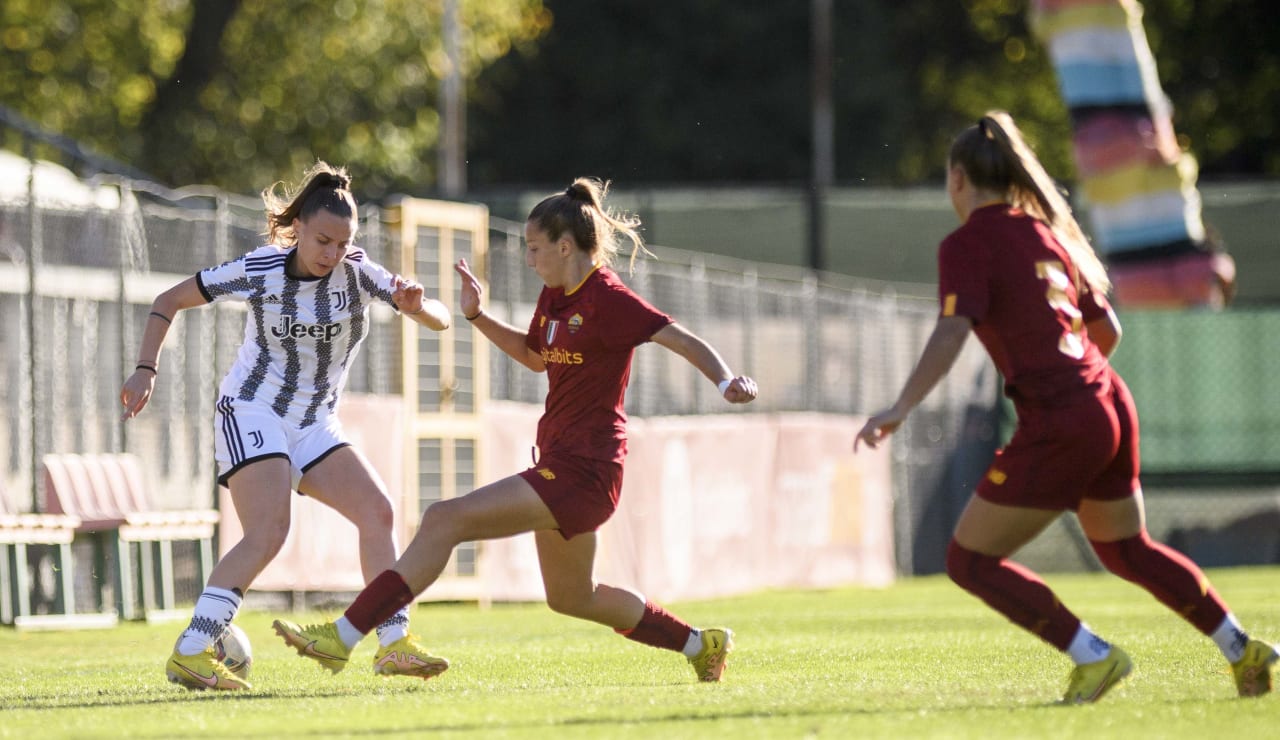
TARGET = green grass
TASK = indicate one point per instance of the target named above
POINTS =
(920, 659)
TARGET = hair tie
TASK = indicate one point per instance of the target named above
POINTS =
(982, 126)
(571, 193)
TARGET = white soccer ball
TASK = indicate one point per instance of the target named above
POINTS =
(234, 650)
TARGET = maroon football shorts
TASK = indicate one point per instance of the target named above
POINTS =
(1061, 456)
(580, 492)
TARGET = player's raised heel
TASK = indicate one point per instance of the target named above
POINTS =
(320, 642)
(202, 671)
(405, 657)
(1253, 671)
(709, 663)
(1089, 682)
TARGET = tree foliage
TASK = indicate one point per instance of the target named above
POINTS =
(240, 93)
(717, 90)
(709, 91)
(273, 87)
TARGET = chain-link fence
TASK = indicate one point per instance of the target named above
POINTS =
(78, 281)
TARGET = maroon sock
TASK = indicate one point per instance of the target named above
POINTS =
(383, 597)
(1015, 592)
(1169, 575)
(659, 628)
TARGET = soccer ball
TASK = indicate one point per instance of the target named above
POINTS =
(234, 650)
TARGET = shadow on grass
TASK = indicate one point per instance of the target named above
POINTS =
(42, 703)
(640, 722)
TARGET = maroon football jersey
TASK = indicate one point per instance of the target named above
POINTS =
(586, 336)
(1007, 272)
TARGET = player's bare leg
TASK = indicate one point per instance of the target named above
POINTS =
(568, 575)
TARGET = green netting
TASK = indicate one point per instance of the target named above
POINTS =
(1207, 388)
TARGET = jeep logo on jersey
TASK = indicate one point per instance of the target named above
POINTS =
(291, 329)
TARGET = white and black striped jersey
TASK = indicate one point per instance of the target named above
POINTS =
(301, 335)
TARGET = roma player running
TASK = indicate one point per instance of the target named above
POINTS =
(582, 334)
(1020, 274)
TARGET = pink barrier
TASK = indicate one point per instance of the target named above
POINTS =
(711, 506)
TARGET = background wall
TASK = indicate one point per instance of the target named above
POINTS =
(711, 506)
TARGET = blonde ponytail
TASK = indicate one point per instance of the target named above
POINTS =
(996, 157)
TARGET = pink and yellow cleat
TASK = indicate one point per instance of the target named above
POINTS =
(1253, 671)
(405, 657)
(709, 663)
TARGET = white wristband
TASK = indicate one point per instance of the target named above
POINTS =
(724, 385)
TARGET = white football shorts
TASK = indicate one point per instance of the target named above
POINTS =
(246, 432)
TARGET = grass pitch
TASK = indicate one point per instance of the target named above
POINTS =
(920, 659)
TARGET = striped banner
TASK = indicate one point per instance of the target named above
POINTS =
(1138, 184)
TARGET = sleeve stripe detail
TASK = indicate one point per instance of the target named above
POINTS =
(949, 305)
(267, 264)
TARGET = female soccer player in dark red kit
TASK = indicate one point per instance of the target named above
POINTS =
(582, 334)
(1020, 274)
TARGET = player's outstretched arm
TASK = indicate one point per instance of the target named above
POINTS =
(939, 355)
(138, 387)
(408, 297)
(508, 338)
(735, 389)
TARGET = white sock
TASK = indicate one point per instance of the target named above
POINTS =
(693, 645)
(394, 629)
(1086, 647)
(214, 610)
(1230, 638)
(348, 633)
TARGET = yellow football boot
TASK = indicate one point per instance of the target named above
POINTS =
(405, 657)
(709, 663)
(1253, 670)
(320, 642)
(202, 671)
(1090, 681)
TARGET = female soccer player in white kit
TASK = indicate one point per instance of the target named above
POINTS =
(308, 292)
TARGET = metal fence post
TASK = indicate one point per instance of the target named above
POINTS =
(122, 313)
(699, 299)
(812, 342)
(750, 321)
(34, 250)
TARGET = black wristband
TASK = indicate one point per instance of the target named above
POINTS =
(143, 366)
(162, 317)
(473, 318)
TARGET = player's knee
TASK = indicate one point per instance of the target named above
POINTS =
(964, 565)
(265, 541)
(443, 520)
(376, 513)
(1119, 556)
(569, 602)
